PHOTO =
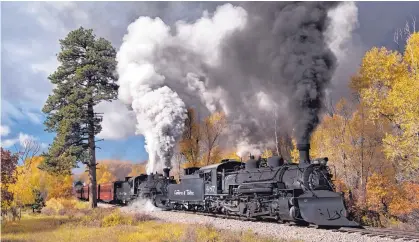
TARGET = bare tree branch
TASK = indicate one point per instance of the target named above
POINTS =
(29, 149)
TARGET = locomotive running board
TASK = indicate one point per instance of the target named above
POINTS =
(324, 208)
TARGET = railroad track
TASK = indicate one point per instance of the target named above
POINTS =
(383, 233)
(367, 231)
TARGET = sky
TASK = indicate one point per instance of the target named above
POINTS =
(29, 43)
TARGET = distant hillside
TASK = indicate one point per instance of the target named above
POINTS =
(119, 169)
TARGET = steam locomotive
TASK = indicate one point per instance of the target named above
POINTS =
(273, 188)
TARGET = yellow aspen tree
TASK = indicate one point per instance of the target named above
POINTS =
(267, 153)
(214, 125)
(388, 84)
(137, 169)
(190, 145)
(104, 175)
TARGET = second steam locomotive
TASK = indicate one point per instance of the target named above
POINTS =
(302, 193)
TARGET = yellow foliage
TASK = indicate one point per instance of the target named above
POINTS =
(104, 175)
(152, 231)
(340, 185)
(295, 155)
(388, 84)
(231, 155)
(380, 191)
(267, 153)
(67, 228)
(399, 198)
(214, 125)
(215, 156)
(54, 204)
(116, 218)
(57, 204)
(189, 165)
(137, 170)
(31, 179)
(407, 199)
(190, 145)
(59, 186)
(411, 53)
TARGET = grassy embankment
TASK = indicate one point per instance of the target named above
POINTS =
(80, 224)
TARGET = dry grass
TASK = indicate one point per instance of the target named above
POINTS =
(112, 225)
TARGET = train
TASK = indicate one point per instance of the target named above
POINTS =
(302, 193)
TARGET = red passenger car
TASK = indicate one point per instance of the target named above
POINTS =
(85, 193)
(106, 192)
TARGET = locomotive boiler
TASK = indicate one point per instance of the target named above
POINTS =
(155, 187)
(302, 193)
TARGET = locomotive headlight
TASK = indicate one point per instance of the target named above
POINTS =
(323, 162)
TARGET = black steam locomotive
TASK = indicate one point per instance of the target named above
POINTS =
(302, 193)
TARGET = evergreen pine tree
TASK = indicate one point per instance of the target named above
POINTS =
(85, 77)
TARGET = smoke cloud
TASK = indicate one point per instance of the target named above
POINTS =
(282, 53)
(256, 62)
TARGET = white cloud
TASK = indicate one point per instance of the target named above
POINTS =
(8, 111)
(12, 112)
(47, 66)
(118, 122)
(22, 139)
(48, 15)
(16, 51)
(25, 138)
(4, 130)
(8, 143)
(44, 146)
(34, 117)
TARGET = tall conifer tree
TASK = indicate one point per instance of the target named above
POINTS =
(85, 77)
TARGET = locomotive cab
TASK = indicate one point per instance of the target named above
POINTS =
(214, 175)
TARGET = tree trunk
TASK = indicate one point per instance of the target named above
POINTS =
(363, 184)
(92, 157)
(209, 155)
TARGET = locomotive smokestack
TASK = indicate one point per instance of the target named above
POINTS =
(304, 148)
(150, 177)
(166, 172)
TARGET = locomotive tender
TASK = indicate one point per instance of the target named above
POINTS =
(301, 193)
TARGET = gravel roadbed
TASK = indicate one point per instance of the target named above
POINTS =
(279, 231)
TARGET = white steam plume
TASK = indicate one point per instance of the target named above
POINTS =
(157, 77)
(159, 110)
(346, 45)
(140, 205)
(255, 62)
(344, 20)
